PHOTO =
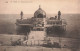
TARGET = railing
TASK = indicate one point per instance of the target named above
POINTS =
(56, 22)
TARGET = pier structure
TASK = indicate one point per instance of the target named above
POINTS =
(41, 23)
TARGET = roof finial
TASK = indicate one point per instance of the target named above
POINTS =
(39, 6)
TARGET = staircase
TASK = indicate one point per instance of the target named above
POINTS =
(36, 35)
(35, 38)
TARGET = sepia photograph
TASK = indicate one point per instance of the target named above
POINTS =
(39, 25)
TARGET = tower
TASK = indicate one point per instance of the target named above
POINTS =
(59, 14)
(21, 15)
(40, 16)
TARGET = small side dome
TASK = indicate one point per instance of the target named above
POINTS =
(40, 13)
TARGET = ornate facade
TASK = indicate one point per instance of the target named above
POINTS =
(39, 22)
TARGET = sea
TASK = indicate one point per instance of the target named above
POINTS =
(8, 26)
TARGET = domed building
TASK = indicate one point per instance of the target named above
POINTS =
(51, 26)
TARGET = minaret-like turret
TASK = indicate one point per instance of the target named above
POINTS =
(21, 15)
(39, 6)
(59, 14)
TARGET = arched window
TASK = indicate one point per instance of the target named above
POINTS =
(40, 15)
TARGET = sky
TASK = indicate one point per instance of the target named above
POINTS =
(30, 6)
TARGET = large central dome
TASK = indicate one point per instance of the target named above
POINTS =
(40, 13)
